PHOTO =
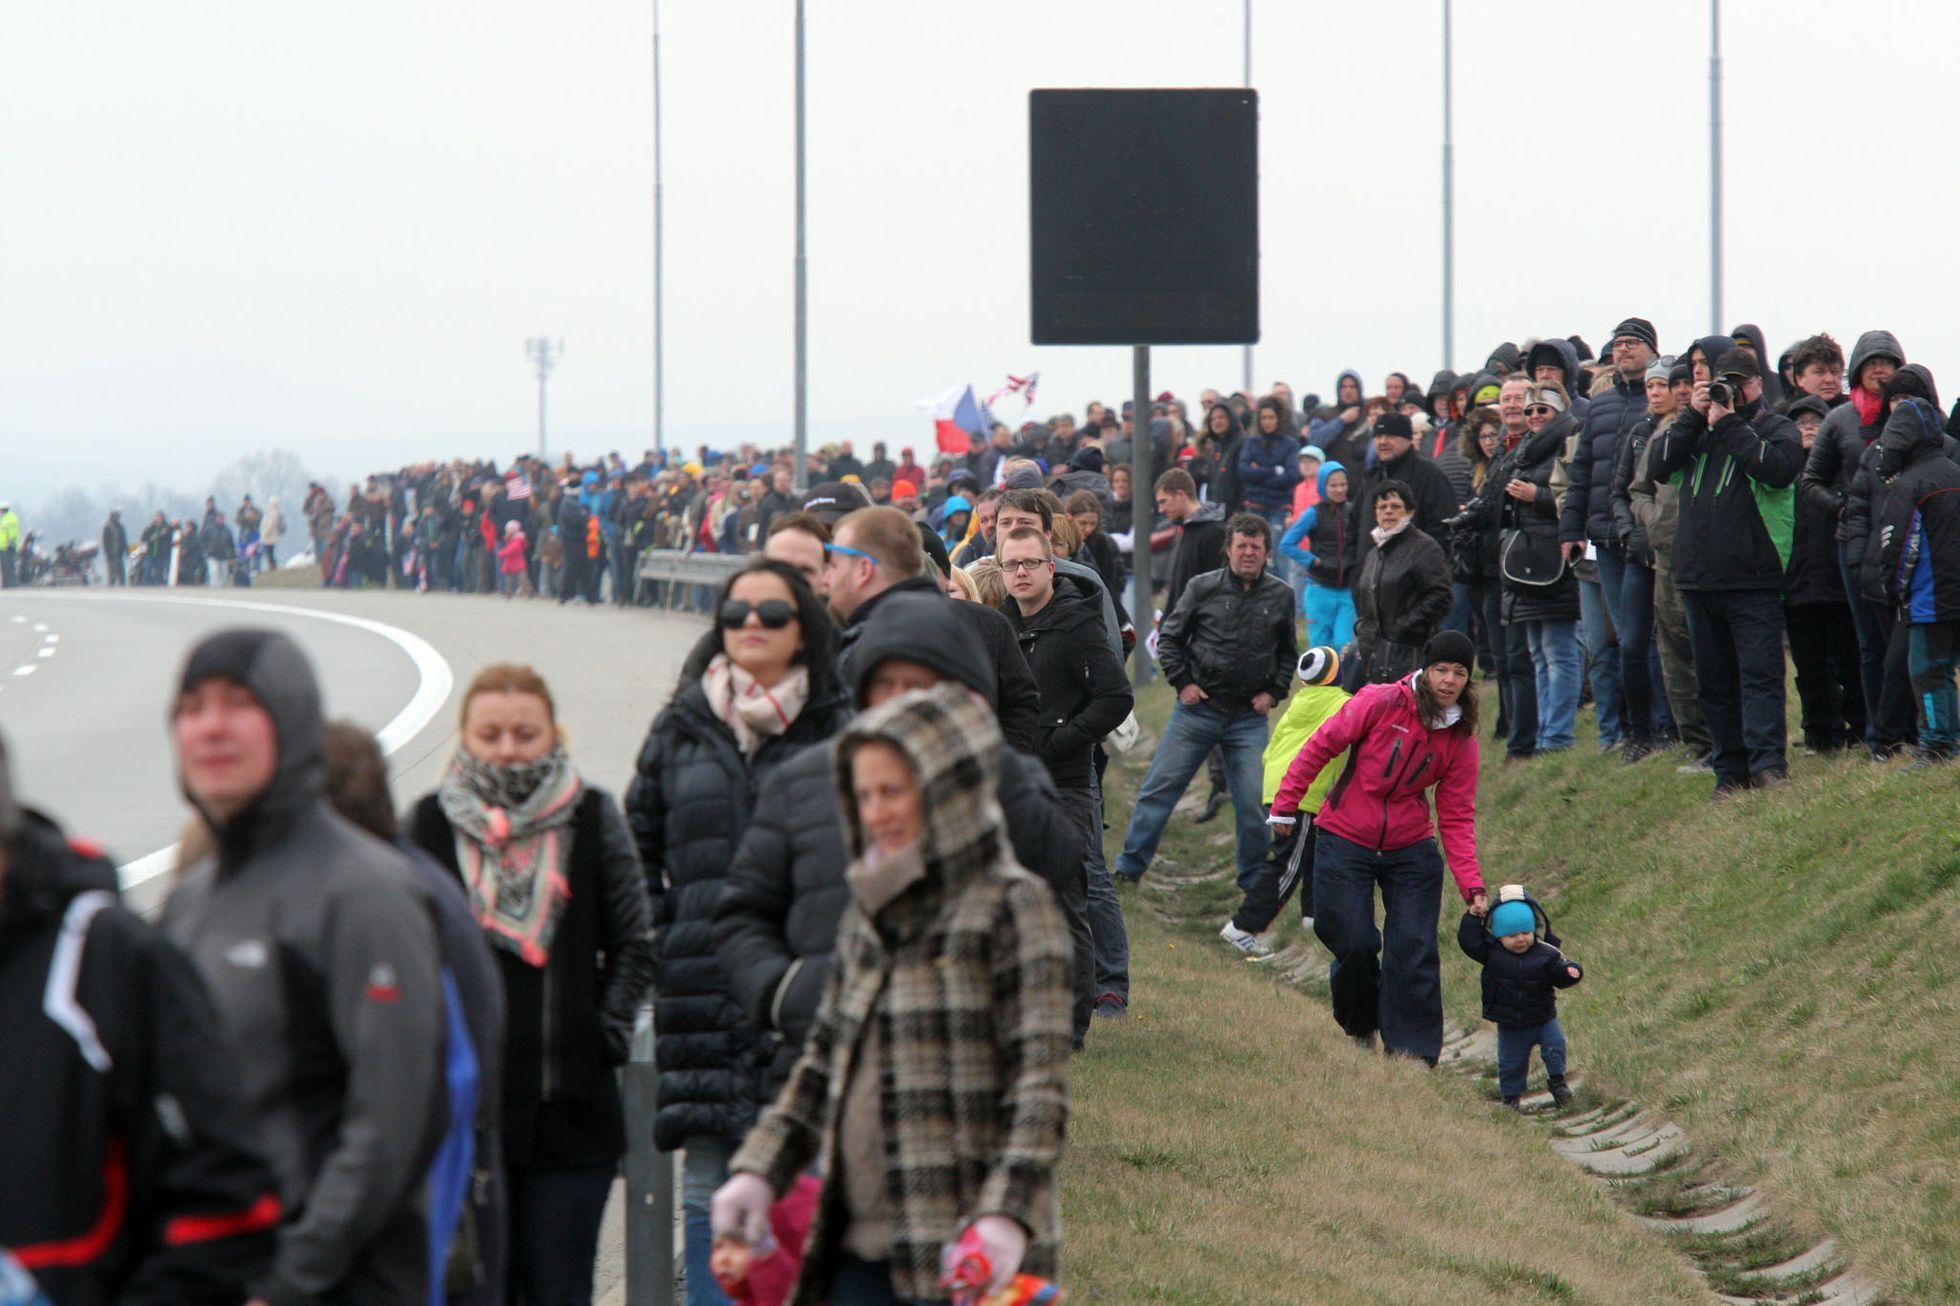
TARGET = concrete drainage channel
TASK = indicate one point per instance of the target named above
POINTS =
(1648, 1163)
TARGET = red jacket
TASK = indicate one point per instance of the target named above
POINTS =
(1380, 801)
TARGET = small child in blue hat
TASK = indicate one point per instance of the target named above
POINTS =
(1523, 968)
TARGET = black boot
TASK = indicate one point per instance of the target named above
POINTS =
(1212, 805)
(1512, 1102)
(1561, 1095)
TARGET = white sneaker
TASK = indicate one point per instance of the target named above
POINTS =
(1245, 942)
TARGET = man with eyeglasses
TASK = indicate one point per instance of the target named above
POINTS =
(877, 551)
(1084, 696)
(1622, 690)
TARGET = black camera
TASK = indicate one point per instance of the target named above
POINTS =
(1722, 394)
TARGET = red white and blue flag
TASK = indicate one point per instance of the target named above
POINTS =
(1016, 385)
(955, 415)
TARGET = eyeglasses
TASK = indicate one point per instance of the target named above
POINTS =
(850, 552)
(774, 614)
(1025, 564)
(1539, 408)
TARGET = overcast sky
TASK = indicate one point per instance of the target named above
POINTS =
(228, 226)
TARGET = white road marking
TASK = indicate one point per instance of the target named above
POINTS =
(52, 639)
(19, 620)
(434, 681)
(40, 627)
(27, 670)
(44, 652)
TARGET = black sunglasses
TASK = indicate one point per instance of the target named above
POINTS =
(774, 614)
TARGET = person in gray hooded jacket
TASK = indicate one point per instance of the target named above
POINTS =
(320, 954)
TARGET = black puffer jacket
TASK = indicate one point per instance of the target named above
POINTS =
(1737, 503)
(1400, 598)
(776, 927)
(1916, 484)
(691, 800)
(1084, 693)
(1588, 510)
(1232, 640)
(1519, 988)
(1833, 459)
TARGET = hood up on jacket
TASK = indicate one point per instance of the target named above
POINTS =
(1555, 350)
(274, 671)
(1914, 431)
(1872, 344)
(1502, 359)
(1360, 389)
(922, 628)
(1440, 385)
(953, 745)
(1327, 469)
(45, 872)
(1711, 347)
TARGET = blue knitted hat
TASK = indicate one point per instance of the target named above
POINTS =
(1509, 918)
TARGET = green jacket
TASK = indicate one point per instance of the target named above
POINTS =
(1308, 707)
(9, 529)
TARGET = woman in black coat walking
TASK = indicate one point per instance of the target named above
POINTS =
(556, 887)
(1402, 593)
(768, 694)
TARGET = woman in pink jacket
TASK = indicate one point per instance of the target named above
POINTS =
(1402, 740)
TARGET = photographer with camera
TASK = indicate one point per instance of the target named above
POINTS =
(1731, 545)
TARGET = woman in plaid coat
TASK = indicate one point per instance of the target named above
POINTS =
(932, 1091)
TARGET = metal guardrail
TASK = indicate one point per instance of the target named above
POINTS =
(681, 580)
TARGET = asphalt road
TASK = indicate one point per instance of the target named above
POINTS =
(86, 678)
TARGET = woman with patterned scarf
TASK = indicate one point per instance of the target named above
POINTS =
(769, 692)
(555, 883)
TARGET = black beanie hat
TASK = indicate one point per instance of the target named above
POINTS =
(1450, 646)
(1394, 423)
(1640, 329)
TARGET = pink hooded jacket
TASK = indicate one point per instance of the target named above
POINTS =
(1379, 801)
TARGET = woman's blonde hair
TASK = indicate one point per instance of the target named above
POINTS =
(987, 584)
(964, 582)
(509, 678)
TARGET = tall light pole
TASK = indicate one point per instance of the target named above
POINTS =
(544, 355)
(802, 282)
(659, 279)
(1449, 203)
(1245, 351)
(1715, 162)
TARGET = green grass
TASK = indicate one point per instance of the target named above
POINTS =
(1229, 1145)
(1777, 975)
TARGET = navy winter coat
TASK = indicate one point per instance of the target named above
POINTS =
(1269, 468)
(1519, 987)
(1588, 510)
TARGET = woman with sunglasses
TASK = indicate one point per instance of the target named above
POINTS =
(769, 692)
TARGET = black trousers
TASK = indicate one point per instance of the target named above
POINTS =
(1290, 864)
(1073, 899)
(1824, 647)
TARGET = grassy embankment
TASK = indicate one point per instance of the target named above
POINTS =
(1777, 975)
(1228, 1145)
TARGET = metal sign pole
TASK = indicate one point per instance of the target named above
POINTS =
(1143, 510)
(649, 1181)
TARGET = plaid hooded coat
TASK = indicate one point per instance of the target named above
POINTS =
(967, 975)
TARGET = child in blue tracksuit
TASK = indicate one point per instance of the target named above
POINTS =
(1522, 969)
(1323, 542)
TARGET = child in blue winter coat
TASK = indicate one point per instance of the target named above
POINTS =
(1323, 542)
(1523, 968)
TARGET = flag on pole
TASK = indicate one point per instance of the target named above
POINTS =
(1016, 385)
(955, 415)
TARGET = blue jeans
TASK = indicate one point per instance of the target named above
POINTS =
(1109, 936)
(1191, 733)
(1396, 988)
(704, 1168)
(1599, 618)
(1933, 648)
(1514, 1044)
(1638, 666)
(1555, 664)
(1738, 638)
(1330, 615)
(1459, 614)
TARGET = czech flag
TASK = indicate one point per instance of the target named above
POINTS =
(955, 415)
